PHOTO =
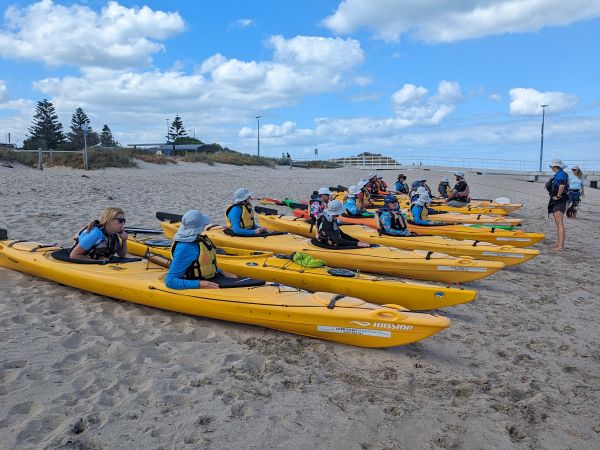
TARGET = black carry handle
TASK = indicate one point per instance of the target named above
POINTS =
(3, 234)
(168, 217)
(266, 211)
(135, 230)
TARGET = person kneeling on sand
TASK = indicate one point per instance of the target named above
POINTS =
(240, 216)
(460, 195)
(102, 238)
(328, 230)
(391, 219)
(194, 260)
(419, 208)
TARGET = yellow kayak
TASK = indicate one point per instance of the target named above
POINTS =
(417, 264)
(320, 315)
(507, 254)
(496, 236)
(493, 235)
(467, 209)
(281, 269)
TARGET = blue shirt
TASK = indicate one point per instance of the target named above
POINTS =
(416, 211)
(386, 219)
(351, 207)
(561, 177)
(92, 239)
(575, 183)
(235, 216)
(185, 254)
(400, 186)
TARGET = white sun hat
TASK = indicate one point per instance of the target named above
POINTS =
(241, 195)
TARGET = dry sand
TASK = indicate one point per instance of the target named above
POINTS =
(518, 368)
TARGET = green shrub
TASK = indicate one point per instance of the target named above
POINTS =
(229, 157)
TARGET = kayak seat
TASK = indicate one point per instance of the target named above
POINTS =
(226, 283)
(63, 255)
(316, 243)
(229, 232)
(341, 273)
(163, 243)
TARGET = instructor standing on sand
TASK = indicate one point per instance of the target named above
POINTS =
(558, 187)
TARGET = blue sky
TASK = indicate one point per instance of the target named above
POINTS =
(430, 77)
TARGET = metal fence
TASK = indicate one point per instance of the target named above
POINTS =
(454, 162)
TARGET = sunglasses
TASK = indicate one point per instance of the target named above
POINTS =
(120, 219)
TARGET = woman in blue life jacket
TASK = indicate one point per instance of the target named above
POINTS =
(444, 188)
(576, 192)
(240, 216)
(461, 194)
(352, 208)
(391, 219)
(328, 231)
(401, 185)
(194, 262)
(102, 238)
(318, 203)
(557, 188)
(419, 207)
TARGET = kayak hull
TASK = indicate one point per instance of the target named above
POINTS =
(349, 321)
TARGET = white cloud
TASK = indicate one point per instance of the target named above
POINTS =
(3, 91)
(414, 106)
(269, 130)
(77, 35)
(495, 98)
(220, 92)
(527, 101)
(447, 21)
(241, 23)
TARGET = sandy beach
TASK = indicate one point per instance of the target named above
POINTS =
(518, 368)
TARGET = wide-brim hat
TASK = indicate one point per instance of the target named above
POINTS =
(445, 180)
(425, 197)
(362, 183)
(372, 175)
(558, 163)
(421, 179)
(459, 174)
(422, 190)
(335, 208)
(242, 194)
(402, 176)
(353, 190)
(575, 168)
(324, 191)
(193, 223)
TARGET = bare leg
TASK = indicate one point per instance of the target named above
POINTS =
(560, 229)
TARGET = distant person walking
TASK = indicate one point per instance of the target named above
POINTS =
(576, 192)
(557, 188)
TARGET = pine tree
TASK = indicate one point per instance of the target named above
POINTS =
(106, 137)
(176, 130)
(75, 136)
(46, 131)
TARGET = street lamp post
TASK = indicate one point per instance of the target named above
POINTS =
(85, 129)
(258, 135)
(167, 136)
(542, 142)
